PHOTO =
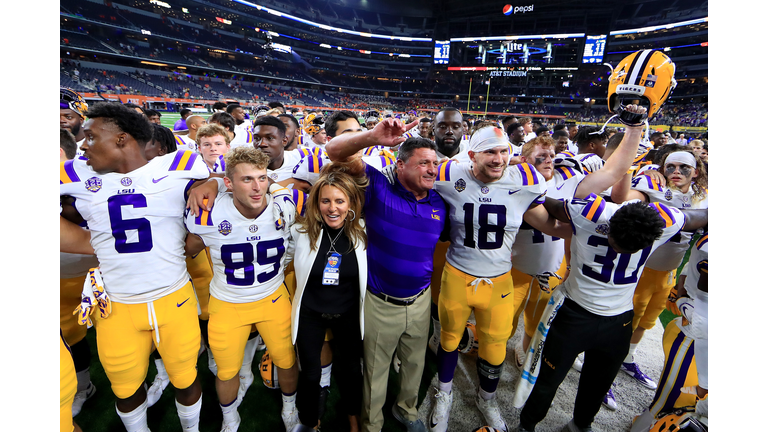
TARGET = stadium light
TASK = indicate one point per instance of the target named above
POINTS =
(327, 27)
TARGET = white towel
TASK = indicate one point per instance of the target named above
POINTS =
(532, 362)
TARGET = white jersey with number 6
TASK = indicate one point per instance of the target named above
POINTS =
(137, 222)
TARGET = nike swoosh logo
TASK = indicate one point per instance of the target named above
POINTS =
(504, 295)
(278, 297)
(435, 211)
(560, 187)
(157, 180)
(514, 192)
(624, 325)
(179, 304)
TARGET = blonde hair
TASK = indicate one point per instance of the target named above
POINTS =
(696, 142)
(211, 130)
(543, 142)
(244, 155)
(336, 175)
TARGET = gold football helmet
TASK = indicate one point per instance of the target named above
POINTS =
(645, 78)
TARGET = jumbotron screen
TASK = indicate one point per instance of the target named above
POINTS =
(518, 51)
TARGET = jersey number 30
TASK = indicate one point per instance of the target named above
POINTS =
(619, 276)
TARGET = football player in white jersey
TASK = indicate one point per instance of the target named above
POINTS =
(248, 241)
(609, 247)
(487, 202)
(237, 137)
(238, 113)
(213, 142)
(684, 381)
(72, 273)
(134, 211)
(685, 187)
(194, 122)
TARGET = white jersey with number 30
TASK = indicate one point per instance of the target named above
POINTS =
(485, 217)
(601, 280)
(137, 222)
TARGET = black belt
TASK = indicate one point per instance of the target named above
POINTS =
(398, 301)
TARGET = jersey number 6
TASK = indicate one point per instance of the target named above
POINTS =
(120, 226)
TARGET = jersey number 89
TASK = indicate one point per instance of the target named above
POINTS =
(262, 256)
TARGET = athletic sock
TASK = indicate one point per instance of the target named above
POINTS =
(446, 364)
(229, 411)
(83, 379)
(289, 402)
(486, 395)
(631, 355)
(190, 415)
(136, 420)
(325, 375)
(161, 372)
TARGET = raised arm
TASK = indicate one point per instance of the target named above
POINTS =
(343, 147)
(617, 165)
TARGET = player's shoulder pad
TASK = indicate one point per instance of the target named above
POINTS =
(314, 162)
(528, 174)
(179, 142)
(565, 172)
(444, 170)
(67, 172)
(593, 206)
(183, 160)
(670, 215)
(646, 184)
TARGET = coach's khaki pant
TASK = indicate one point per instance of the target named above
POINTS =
(388, 328)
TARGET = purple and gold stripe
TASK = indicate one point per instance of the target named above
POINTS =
(369, 151)
(444, 171)
(299, 198)
(68, 174)
(568, 153)
(665, 213)
(249, 138)
(528, 174)
(315, 163)
(566, 172)
(702, 241)
(386, 160)
(204, 218)
(183, 161)
(594, 209)
(179, 142)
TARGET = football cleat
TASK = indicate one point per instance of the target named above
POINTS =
(634, 371)
(491, 413)
(647, 76)
(441, 410)
(609, 401)
(81, 397)
(571, 427)
(245, 382)
(232, 425)
(290, 419)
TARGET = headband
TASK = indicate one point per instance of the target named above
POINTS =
(681, 157)
(487, 138)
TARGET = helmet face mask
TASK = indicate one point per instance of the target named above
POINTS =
(644, 77)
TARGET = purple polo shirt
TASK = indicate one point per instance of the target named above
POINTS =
(402, 234)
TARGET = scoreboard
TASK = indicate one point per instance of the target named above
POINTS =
(442, 52)
(594, 48)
